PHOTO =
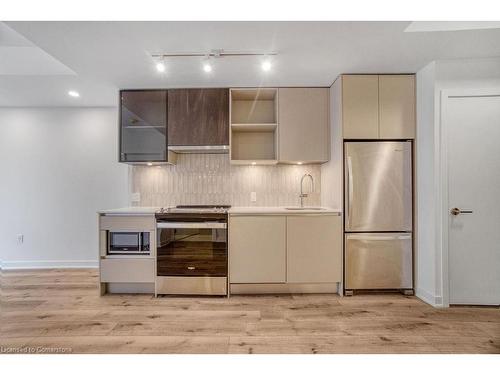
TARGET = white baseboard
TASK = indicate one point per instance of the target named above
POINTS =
(427, 297)
(40, 264)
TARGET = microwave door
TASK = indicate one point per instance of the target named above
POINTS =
(128, 243)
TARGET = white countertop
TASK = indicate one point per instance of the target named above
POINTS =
(232, 211)
(280, 211)
(130, 211)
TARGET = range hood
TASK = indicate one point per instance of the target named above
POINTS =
(221, 149)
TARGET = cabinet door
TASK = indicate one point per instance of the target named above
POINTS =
(257, 249)
(397, 106)
(314, 249)
(360, 106)
(143, 126)
(303, 124)
(198, 117)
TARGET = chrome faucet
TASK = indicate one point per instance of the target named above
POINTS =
(302, 194)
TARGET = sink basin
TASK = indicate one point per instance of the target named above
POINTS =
(303, 208)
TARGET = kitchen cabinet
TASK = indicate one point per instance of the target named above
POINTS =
(314, 249)
(360, 106)
(198, 117)
(257, 249)
(397, 106)
(378, 106)
(291, 253)
(132, 270)
(254, 126)
(126, 273)
(303, 125)
(143, 126)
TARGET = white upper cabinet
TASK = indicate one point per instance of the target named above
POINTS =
(360, 106)
(397, 106)
(303, 117)
(378, 106)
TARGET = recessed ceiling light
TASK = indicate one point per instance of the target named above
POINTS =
(160, 66)
(73, 93)
(266, 65)
(299, 163)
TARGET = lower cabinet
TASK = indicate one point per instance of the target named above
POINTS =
(257, 249)
(300, 249)
(314, 249)
(133, 270)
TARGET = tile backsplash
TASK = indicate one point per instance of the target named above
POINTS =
(211, 179)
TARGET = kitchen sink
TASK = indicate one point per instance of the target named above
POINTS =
(304, 208)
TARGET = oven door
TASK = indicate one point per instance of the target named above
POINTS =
(192, 249)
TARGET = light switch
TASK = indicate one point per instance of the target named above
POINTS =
(135, 197)
(253, 196)
(20, 239)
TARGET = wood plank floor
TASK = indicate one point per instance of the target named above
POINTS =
(61, 311)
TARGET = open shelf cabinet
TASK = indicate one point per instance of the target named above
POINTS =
(254, 126)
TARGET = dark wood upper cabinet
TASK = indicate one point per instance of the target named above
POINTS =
(198, 117)
(143, 126)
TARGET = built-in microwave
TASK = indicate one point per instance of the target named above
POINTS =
(133, 243)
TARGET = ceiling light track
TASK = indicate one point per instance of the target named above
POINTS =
(212, 53)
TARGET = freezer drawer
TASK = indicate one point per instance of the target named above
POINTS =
(378, 261)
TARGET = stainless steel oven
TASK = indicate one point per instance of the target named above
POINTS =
(133, 243)
(192, 254)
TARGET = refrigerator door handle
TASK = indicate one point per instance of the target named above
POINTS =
(378, 238)
(350, 191)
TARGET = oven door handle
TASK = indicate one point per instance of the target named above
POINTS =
(201, 225)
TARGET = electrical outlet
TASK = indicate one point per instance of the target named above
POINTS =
(135, 197)
(20, 239)
(253, 196)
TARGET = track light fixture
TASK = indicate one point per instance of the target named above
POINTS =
(160, 65)
(207, 67)
(266, 64)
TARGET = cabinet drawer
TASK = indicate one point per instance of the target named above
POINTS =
(128, 270)
(131, 223)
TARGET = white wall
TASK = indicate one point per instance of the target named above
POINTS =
(431, 80)
(59, 165)
(425, 254)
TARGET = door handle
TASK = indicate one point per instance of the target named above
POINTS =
(457, 211)
(350, 190)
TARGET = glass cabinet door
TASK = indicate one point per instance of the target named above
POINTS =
(143, 126)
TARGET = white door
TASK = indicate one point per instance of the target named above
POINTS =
(473, 130)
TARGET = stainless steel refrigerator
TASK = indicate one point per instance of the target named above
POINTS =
(378, 215)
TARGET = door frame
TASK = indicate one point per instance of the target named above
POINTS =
(443, 178)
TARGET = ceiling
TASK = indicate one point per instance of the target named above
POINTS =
(41, 61)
